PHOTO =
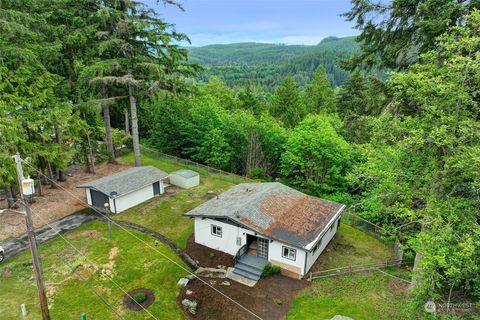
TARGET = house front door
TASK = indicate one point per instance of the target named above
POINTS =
(262, 248)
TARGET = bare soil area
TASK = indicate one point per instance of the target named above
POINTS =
(55, 203)
(270, 298)
(208, 257)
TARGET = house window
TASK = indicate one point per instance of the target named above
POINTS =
(331, 226)
(216, 230)
(289, 253)
(317, 245)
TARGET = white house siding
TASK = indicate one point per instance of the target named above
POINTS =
(227, 243)
(289, 267)
(89, 198)
(131, 199)
(313, 256)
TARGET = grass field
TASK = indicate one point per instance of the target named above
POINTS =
(165, 214)
(361, 296)
(131, 264)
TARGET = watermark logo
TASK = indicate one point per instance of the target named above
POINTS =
(432, 307)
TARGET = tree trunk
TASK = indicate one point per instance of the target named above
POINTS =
(10, 201)
(127, 125)
(58, 139)
(90, 158)
(40, 188)
(135, 138)
(108, 133)
(50, 175)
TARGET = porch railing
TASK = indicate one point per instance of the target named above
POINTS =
(240, 253)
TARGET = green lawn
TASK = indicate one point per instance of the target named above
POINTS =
(352, 247)
(361, 296)
(134, 266)
(165, 214)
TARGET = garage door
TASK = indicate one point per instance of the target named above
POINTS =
(98, 199)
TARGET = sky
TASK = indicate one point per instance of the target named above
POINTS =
(269, 21)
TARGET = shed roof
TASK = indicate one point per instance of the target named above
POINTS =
(126, 181)
(274, 210)
(185, 173)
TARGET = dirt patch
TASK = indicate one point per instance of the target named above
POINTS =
(85, 234)
(399, 286)
(208, 257)
(56, 203)
(137, 306)
(270, 298)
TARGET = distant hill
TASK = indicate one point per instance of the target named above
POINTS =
(263, 66)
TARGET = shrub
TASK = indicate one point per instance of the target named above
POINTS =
(270, 269)
(140, 297)
(278, 301)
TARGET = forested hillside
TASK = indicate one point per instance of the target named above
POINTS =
(263, 66)
(80, 79)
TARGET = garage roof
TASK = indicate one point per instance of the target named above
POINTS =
(274, 210)
(126, 181)
(185, 173)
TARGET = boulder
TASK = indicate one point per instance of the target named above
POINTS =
(190, 305)
(182, 282)
(339, 317)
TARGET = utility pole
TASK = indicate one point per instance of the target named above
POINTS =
(33, 244)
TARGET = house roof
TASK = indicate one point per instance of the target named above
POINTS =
(274, 210)
(126, 181)
(185, 173)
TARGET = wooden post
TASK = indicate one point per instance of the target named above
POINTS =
(33, 244)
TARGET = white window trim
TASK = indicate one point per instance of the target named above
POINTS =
(288, 255)
(216, 234)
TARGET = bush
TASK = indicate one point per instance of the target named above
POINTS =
(140, 297)
(269, 270)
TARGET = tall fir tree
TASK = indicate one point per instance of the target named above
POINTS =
(287, 105)
(319, 96)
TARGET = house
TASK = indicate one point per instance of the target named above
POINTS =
(184, 178)
(125, 189)
(259, 223)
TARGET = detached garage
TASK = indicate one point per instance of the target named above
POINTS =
(125, 189)
(185, 178)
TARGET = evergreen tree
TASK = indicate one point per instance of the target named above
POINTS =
(319, 96)
(395, 33)
(136, 58)
(287, 105)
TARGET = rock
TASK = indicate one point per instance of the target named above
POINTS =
(225, 283)
(211, 272)
(191, 277)
(191, 305)
(339, 317)
(188, 292)
(219, 266)
(212, 282)
(182, 282)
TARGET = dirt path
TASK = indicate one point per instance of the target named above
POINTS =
(55, 203)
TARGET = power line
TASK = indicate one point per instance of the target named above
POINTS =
(150, 246)
(83, 255)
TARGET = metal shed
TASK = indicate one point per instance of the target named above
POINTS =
(185, 178)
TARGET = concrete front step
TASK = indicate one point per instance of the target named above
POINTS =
(247, 274)
(253, 268)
